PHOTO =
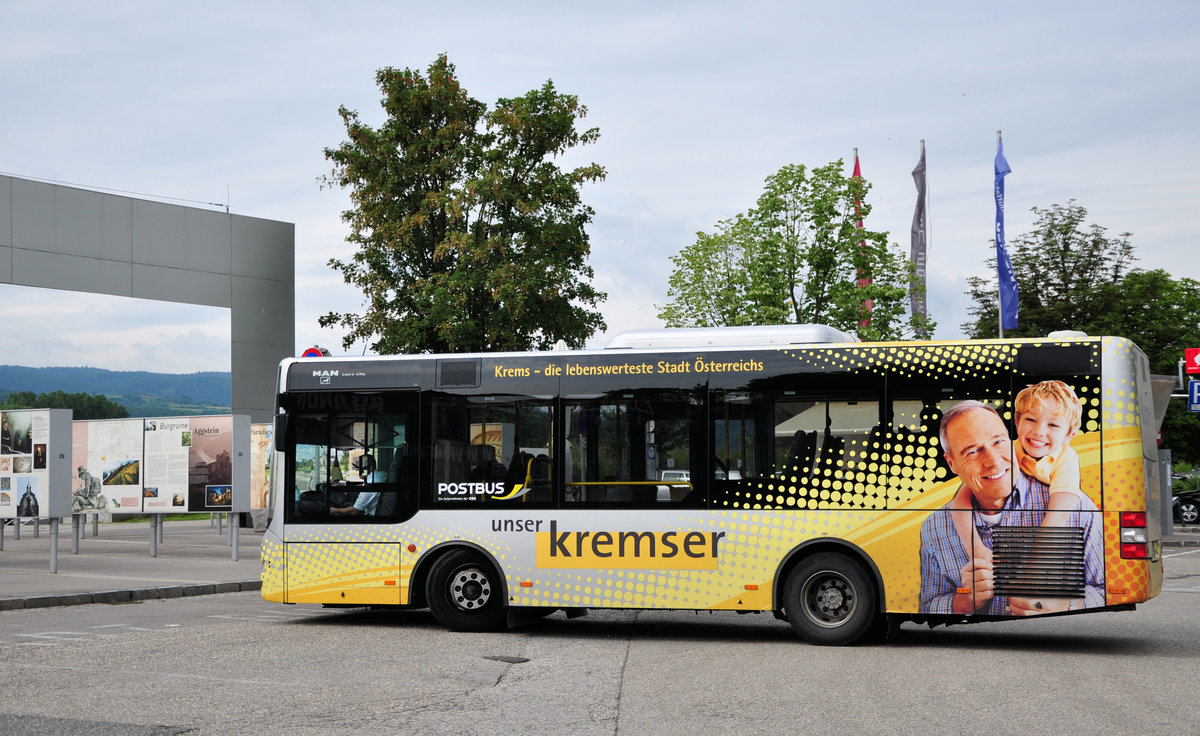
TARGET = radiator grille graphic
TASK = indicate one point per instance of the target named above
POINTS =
(1037, 561)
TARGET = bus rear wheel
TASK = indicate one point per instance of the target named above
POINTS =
(464, 593)
(829, 599)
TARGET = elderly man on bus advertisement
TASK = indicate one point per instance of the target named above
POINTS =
(958, 578)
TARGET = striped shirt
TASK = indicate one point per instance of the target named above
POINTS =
(943, 556)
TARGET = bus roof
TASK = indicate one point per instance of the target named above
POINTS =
(757, 335)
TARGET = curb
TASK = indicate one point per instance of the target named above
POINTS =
(127, 595)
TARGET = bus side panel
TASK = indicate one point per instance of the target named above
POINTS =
(893, 542)
(344, 573)
(271, 554)
(1127, 581)
(1130, 479)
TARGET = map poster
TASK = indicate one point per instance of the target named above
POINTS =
(87, 492)
(110, 452)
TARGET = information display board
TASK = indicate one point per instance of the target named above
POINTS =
(34, 459)
(162, 465)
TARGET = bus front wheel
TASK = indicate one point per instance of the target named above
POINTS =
(829, 599)
(464, 593)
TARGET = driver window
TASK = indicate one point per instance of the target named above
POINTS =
(351, 464)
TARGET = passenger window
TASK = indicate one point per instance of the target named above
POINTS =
(736, 451)
(496, 450)
(634, 449)
(819, 442)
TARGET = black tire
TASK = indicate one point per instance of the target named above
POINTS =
(830, 599)
(464, 592)
(1189, 512)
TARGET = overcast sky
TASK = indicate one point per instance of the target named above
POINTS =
(696, 103)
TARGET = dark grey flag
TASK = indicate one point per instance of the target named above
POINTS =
(919, 232)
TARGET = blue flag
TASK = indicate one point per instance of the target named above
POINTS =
(1008, 281)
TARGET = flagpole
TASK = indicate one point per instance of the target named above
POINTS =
(925, 237)
(918, 243)
(999, 295)
(1005, 277)
(862, 282)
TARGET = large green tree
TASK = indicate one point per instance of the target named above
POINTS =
(1066, 271)
(83, 406)
(469, 236)
(798, 256)
(1074, 276)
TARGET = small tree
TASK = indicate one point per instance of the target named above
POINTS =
(469, 236)
(799, 256)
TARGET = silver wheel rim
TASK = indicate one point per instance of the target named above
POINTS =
(1188, 514)
(828, 599)
(470, 589)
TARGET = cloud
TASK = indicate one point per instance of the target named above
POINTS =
(696, 102)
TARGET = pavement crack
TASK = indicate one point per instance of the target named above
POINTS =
(624, 665)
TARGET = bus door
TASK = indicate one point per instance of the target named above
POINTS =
(351, 481)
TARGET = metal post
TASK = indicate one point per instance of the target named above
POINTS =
(54, 545)
(3, 523)
(17, 528)
(1166, 506)
(37, 527)
(154, 535)
(161, 519)
(75, 534)
(234, 523)
(219, 516)
(95, 525)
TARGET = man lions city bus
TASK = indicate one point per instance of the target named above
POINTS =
(783, 469)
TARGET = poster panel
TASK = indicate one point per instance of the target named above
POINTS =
(87, 493)
(261, 452)
(210, 464)
(108, 464)
(167, 442)
(24, 473)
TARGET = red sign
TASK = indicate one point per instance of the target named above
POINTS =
(1191, 360)
(315, 352)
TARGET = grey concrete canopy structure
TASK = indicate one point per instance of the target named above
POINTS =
(60, 237)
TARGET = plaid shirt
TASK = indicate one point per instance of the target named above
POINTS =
(943, 556)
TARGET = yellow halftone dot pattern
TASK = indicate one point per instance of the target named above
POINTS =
(343, 573)
(766, 519)
(899, 463)
(1126, 581)
(271, 555)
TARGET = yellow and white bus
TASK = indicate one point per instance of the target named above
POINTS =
(783, 469)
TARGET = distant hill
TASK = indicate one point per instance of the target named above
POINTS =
(143, 393)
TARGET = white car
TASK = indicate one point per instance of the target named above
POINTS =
(678, 489)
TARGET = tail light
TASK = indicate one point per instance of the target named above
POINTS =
(1135, 545)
